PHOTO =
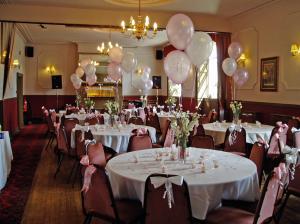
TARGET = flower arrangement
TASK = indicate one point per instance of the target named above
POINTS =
(112, 107)
(236, 108)
(170, 101)
(88, 103)
(182, 126)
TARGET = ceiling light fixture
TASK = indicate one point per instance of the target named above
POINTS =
(104, 48)
(138, 28)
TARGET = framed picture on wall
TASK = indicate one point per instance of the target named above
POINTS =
(156, 82)
(269, 74)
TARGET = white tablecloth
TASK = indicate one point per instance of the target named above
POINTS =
(234, 178)
(116, 138)
(218, 130)
(6, 157)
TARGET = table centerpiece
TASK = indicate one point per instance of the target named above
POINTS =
(236, 108)
(112, 108)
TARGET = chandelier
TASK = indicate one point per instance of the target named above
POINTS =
(104, 48)
(138, 28)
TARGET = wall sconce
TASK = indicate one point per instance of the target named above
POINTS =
(295, 49)
(16, 64)
(3, 56)
(50, 69)
(242, 60)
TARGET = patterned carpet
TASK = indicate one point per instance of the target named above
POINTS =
(27, 147)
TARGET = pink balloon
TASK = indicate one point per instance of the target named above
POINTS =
(177, 66)
(240, 76)
(180, 30)
(235, 50)
(114, 71)
(91, 79)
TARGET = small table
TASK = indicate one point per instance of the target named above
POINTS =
(218, 130)
(6, 157)
(235, 177)
(116, 138)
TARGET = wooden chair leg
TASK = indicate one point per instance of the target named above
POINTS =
(72, 170)
(61, 157)
(88, 219)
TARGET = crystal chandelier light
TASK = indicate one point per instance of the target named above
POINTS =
(104, 48)
(138, 28)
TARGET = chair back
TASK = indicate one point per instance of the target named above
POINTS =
(96, 154)
(165, 130)
(50, 123)
(136, 121)
(249, 118)
(169, 139)
(139, 142)
(100, 119)
(61, 139)
(80, 141)
(152, 120)
(203, 141)
(157, 209)
(99, 199)
(142, 114)
(297, 139)
(266, 205)
(69, 124)
(274, 146)
(199, 130)
(257, 156)
(91, 120)
(292, 123)
(235, 141)
(53, 116)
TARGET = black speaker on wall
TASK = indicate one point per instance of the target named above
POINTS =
(29, 52)
(159, 55)
(56, 82)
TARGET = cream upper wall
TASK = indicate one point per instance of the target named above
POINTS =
(100, 17)
(18, 53)
(37, 80)
(269, 32)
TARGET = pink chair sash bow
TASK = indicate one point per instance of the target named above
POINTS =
(263, 142)
(142, 131)
(89, 171)
(232, 136)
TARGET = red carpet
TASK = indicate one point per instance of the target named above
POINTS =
(27, 147)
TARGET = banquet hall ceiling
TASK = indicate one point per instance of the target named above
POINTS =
(226, 8)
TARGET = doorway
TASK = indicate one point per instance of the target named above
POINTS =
(20, 100)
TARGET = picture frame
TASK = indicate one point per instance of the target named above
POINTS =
(156, 82)
(269, 74)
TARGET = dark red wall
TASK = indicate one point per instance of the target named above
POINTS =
(10, 115)
(49, 101)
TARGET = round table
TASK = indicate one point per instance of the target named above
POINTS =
(234, 177)
(218, 130)
(116, 138)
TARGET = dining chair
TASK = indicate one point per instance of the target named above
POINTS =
(293, 188)
(199, 130)
(91, 120)
(264, 211)
(99, 202)
(257, 155)
(51, 128)
(292, 123)
(203, 141)
(136, 121)
(248, 117)
(152, 120)
(162, 138)
(69, 124)
(158, 210)
(235, 141)
(100, 119)
(139, 142)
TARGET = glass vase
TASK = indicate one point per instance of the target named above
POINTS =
(182, 145)
(236, 118)
(112, 120)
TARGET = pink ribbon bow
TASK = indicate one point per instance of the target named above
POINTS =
(263, 142)
(89, 171)
(142, 131)
(85, 160)
(278, 173)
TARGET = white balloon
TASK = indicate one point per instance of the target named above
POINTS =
(148, 84)
(90, 70)
(85, 62)
(74, 77)
(91, 80)
(145, 77)
(79, 71)
(229, 66)
(200, 48)
(129, 62)
(116, 54)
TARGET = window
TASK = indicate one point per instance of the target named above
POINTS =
(174, 89)
(207, 77)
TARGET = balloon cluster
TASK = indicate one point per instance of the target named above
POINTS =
(230, 65)
(191, 48)
(127, 63)
(88, 68)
